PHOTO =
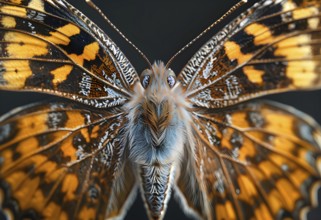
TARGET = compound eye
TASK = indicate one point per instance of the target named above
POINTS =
(171, 78)
(145, 81)
(171, 81)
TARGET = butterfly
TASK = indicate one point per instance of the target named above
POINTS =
(194, 134)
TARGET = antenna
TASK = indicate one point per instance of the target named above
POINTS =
(91, 4)
(234, 8)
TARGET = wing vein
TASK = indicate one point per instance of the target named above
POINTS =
(260, 143)
(73, 62)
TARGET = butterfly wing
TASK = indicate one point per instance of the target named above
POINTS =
(261, 160)
(254, 161)
(273, 47)
(49, 46)
(62, 161)
(59, 161)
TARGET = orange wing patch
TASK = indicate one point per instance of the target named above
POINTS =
(24, 46)
(36, 4)
(89, 53)
(254, 75)
(14, 10)
(16, 1)
(8, 22)
(62, 34)
(16, 73)
(262, 33)
(233, 51)
(69, 186)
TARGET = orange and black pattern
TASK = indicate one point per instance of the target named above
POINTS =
(43, 49)
(58, 161)
(257, 160)
(273, 47)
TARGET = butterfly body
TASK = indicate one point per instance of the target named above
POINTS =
(86, 156)
(156, 134)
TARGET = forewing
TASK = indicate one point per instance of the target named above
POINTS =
(49, 46)
(254, 161)
(58, 161)
(273, 47)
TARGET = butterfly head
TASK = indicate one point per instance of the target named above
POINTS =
(157, 117)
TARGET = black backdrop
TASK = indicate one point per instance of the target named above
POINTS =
(160, 28)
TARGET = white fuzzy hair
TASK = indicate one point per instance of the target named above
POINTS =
(142, 116)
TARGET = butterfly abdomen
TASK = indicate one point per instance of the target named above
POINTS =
(156, 184)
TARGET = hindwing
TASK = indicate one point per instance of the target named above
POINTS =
(253, 161)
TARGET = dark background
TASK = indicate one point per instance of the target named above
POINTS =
(160, 29)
